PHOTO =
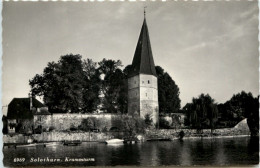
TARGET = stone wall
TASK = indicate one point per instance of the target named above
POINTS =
(61, 122)
(240, 129)
(61, 136)
(17, 138)
(58, 137)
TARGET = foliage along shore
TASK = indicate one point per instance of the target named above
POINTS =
(239, 130)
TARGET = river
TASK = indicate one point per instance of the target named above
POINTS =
(220, 151)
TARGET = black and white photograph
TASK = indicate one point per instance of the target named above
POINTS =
(130, 83)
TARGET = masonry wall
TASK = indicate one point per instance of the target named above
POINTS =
(58, 137)
(240, 129)
(61, 122)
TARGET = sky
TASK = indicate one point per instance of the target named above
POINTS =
(206, 47)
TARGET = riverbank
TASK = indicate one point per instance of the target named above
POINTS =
(241, 129)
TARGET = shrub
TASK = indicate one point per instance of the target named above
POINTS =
(104, 129)
(129, 124)
(88, 124)
(148, 120)
(51, 128)
(164, 124)
(181, 134)
(72, 128)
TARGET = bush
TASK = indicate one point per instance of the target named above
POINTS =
(51, 128)
(88, 124)
(164, 124)
(131, 125)
(181, 134)
(72, 128)
(104, 129)
(148, 120)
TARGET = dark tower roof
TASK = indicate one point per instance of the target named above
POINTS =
(143, 59)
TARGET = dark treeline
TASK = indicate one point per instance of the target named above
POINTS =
(203, 112)
(74, 85)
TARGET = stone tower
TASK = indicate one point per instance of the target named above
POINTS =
(142, 79)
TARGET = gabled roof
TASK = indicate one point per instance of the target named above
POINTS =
(143, 62)
(19, 108)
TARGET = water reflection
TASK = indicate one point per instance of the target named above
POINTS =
(185, 158)
(233, 151)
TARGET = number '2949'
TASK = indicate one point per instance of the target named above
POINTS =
(19, 159)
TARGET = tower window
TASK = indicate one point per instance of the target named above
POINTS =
(135, 82)
(143, 82)
(148, 82)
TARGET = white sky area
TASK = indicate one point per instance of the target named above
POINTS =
(206, 47)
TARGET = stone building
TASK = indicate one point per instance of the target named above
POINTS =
(20, 114)
(142, 79)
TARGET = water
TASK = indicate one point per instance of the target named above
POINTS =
(221, 151)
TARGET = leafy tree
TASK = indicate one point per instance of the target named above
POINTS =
(131, 125)
(91, 86)
(176, 123)
(61, 84)
(244, 105)
(112, 84)
(202, 112)
(187, 109)
(88, 123)
(168, 92)
(5, 125)
(163, 123)
(253, 117)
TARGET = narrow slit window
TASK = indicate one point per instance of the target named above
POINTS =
(148, 81)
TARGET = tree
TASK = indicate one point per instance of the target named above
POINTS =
(112, 84)
(61, 84)
(163, 123)
(244, 105)
(168, 92)
(202, 112)
(91, 86)
(5, 125)
(88, 124)
(253, 117)
(131, 125)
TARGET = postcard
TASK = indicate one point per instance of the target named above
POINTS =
(130, 83)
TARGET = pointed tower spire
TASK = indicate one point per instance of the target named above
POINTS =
(144, 11)
(143, 62)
